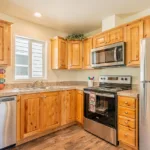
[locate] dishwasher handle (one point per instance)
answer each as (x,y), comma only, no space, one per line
(6,99)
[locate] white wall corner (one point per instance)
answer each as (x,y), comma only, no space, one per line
(111,22)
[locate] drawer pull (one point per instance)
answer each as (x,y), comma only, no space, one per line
(126,112)
(126,122)
(126,102)
(125,134)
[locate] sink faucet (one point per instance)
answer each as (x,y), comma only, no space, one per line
(34,83)
(37,82)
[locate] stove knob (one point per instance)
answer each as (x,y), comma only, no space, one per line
(126,79)
(122,78)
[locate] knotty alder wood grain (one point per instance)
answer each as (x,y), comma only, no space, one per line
(68,105)
(75,51)
(5,44)
(128,122)
(134,33)
(59,53)
(50,111)
(72,138)
(87,47)
(79,106)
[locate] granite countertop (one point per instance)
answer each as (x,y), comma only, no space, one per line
(129,93)
(17,91)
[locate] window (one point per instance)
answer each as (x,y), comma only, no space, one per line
(29,58)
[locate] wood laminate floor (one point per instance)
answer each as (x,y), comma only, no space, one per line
(72,138)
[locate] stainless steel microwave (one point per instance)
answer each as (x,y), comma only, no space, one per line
(108,56)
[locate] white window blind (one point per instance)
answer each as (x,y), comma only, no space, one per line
(29,58)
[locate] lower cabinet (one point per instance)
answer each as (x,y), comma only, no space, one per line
(128,122)
(30,115)
(50,111)
(68,105)
(79,106)
(43,112)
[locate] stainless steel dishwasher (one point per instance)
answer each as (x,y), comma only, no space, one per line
(7,121)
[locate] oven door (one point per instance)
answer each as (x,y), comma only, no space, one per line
(103,110)
(108,55)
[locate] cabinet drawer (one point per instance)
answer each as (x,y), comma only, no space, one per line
(126,102)
(127,112)
(128,122)
(127,135)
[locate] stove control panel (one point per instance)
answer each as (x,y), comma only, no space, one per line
(116,79)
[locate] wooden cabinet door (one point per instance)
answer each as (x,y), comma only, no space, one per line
(62,54)
(115,35)
(100,40)
(67,106)
(147,27)
(134,33)
(74,54)
(30,115)
(4,43)
(79,106)
(87,44)
(50,111)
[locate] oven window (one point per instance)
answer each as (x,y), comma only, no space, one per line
(104,111)
(98,57)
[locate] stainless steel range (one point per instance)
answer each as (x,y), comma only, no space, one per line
(100,106)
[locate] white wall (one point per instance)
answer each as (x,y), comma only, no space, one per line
(38,32)
(134,72)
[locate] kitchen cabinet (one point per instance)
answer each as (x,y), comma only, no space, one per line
(30,115)
(109,37)
(133,35)
(128,122)
(5,39)
(68,106)
(87,46)
(50,110)
(100,40)
(79,106)
(147,27)
(75,52)
(59,53)
(115,35)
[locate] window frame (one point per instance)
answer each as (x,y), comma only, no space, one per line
(44,58)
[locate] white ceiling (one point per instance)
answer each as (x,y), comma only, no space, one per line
(72,16)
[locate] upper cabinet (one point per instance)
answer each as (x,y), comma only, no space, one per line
(147,27)
(108,37)
(59,53)
(87,46)
(5,39)
(133,35)
(100,40)
(75,54)
(115,35)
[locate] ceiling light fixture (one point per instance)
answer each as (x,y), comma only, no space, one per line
(37,14)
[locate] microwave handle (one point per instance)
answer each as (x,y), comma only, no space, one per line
(115,54)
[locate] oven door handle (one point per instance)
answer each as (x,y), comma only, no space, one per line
(115,54)
(101,94)
(105,95)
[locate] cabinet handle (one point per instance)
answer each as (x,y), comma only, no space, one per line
(43,97)
(125,134)
(126,122)
(126,112)
(126,102)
